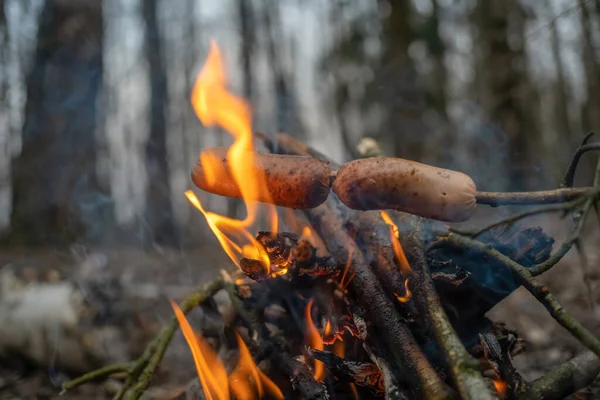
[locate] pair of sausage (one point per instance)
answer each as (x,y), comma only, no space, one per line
(377,183)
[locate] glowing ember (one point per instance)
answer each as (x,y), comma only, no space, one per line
(500,386)
(216,106)
(405,268)
(314,340)
(247,381)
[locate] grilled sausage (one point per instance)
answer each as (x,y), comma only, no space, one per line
(393,183)
(292,181)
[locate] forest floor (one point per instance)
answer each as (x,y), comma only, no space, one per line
(171,274)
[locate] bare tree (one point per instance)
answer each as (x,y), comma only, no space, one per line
(159,211)
(55,196)
(504,81)
(561,114)
(248,36)
(437,49)
(404,99)
(591,116)
(5,153)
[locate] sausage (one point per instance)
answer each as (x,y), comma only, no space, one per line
(393,183)
(292,181)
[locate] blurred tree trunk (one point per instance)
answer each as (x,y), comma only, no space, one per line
(561,108)
(247,34)
(397,76)
(5,126)
(437,49)
(591,115)
(159,210)
(287,118)
(504,82)
(55,194)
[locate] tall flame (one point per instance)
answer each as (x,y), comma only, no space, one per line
(216,106)
(314,340)
(242,386)
(405,268)
(247,381)
(211,370)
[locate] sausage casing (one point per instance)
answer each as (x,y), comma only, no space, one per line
(291,181)
(381,183)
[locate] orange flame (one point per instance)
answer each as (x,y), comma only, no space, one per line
(407,294)
(314,340)
(398,251)
(211,370)
(216,106)
(247,381)
(338,348)
(354,391)
(405,268)
(500,386)
(327,330)
(240,382)
(343,282)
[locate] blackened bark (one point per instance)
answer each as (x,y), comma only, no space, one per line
(55,195)
(159,211)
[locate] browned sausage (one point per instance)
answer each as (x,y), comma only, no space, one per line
(292,181)
(393,183)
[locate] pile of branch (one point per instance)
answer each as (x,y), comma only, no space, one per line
(397,324)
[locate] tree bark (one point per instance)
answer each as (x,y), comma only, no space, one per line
(55,195)
(159,210)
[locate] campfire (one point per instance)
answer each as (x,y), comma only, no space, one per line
(349,285)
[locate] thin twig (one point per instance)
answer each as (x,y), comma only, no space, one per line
(495,199)
(583,148)
(537,289)
(90,376)
(579,219)
(564,207)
